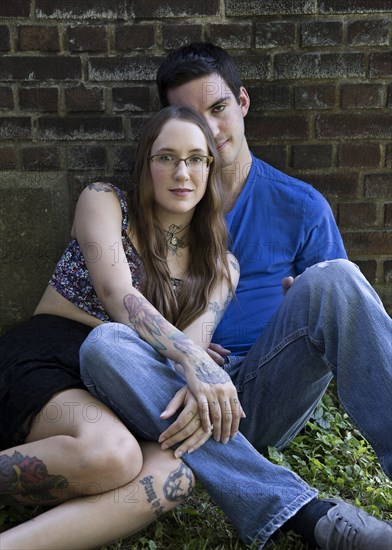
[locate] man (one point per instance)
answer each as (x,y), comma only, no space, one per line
(284,351)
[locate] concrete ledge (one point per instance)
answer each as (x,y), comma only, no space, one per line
(34,229)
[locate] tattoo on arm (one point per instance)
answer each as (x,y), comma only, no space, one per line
(152,327)
(145,321)
(100,187)
(219,311)
(178,484)
(25,477)
(234,264)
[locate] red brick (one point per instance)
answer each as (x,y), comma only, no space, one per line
(388,156)
(122,68)
(380,64)
(267,127)
(40,68)
(272,154)
(80,98)
(135,98)
(14,8)
(6,98)
(134,37)
(15,128)
(368,33)
(368,269)
(372,125)
(174,36)
(4,38)
(321,33)
(388,271)
(388,214)
(378,186)
(40,158)
(317,96)
(86,158)
(312,156)
(274,34)
(365,243)
(268,7)
(87,38)
(253,66)
(363,155)
(362,96)
(7,158)
(123,158)
(354,6)
(357,215)
(38,37)
(87,9)
(269,97)
(72,128)
(147,9)
(335,185)
(319,65)
(230,35)
(38,99)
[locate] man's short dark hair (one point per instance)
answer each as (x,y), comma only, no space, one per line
(195,61)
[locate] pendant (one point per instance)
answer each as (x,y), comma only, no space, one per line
(173,240)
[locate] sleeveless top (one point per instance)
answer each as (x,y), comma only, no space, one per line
(71,278)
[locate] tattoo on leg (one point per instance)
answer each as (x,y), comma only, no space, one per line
(152,496)
(25,476)
(179,484)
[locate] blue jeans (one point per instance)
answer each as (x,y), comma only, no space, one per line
(331,322)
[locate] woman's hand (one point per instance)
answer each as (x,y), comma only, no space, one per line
(187,427)
(216,396)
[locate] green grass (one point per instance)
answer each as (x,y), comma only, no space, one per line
(329,454)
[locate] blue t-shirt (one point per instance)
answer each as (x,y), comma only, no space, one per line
(278,227)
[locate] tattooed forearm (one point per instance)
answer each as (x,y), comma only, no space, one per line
(145,321)
(147,483)
(26,478)
(205,372)
(178,484)
(98,186)
(154,329)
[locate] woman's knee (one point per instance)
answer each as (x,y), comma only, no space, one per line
(111,460)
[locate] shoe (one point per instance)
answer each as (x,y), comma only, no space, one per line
(346,527)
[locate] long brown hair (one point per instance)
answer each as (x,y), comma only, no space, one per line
(207,231)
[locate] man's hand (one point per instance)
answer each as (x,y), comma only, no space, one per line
(287,283)
(217,353)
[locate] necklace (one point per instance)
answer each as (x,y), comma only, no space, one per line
(173,240)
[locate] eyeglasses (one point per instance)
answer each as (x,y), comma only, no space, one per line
(169,162)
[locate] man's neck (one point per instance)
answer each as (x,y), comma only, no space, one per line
(234,177)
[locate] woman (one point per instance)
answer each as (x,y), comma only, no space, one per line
(129,268)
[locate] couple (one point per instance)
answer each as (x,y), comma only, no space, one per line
(155,357)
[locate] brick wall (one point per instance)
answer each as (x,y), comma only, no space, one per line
(77,82)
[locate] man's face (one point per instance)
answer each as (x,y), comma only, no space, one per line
(213,99)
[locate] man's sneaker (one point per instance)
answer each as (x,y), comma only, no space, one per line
(346,527)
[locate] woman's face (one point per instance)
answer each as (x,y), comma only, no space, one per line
(178,189)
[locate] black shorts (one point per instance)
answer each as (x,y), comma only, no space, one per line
(38,359)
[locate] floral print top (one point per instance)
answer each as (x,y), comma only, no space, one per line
(71,278)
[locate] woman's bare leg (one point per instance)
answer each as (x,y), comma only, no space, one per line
(76,447)
(90,522)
